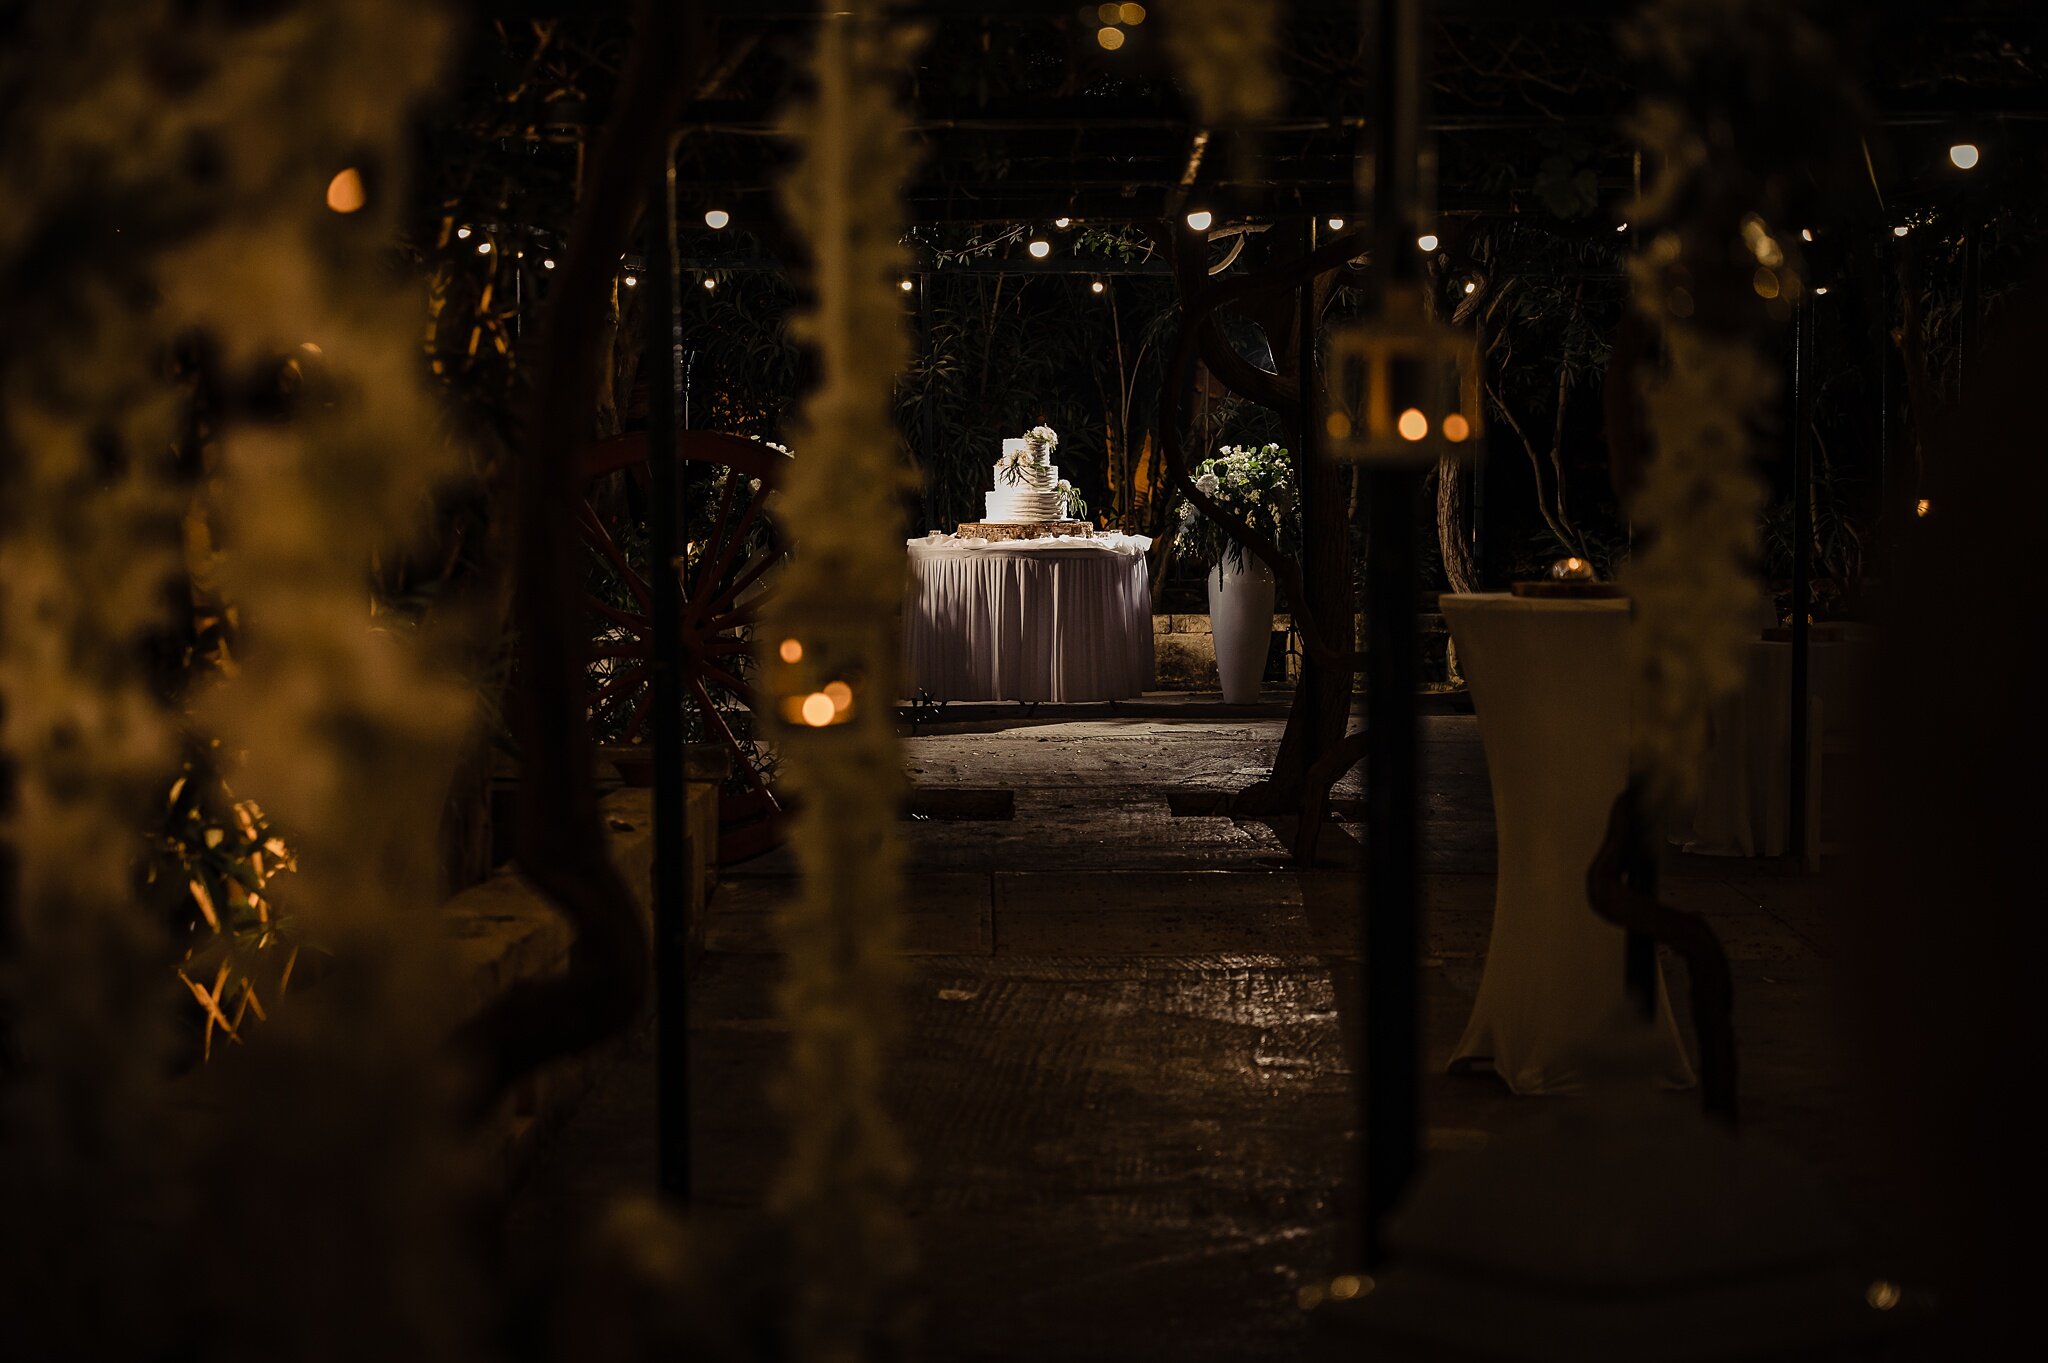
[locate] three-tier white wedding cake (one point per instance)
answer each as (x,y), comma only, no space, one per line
(1026,484)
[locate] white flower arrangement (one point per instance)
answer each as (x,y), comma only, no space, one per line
(1254,485)
(1072,508)
(1033,455)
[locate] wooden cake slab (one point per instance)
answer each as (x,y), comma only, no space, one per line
(1028,530)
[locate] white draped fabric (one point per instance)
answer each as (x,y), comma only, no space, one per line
(1550,683)
(1745,791)
(1057,619)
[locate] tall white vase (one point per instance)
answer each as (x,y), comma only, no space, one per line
(1241,620)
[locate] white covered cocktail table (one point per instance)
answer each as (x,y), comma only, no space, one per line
(1550,682)
(1065,619)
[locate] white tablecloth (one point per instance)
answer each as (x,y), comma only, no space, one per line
(1067,619)
(1744,806)
(1549,680)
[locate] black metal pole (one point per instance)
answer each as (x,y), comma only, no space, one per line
(1390,1092)
(671,849)
(1802,554)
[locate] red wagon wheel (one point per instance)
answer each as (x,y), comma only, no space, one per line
(730,559)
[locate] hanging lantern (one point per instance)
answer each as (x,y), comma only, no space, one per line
(1403,387)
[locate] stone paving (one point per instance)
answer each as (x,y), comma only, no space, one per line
(1125,1075)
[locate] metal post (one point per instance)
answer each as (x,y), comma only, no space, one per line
(1391,1090)
(1802,552)
(671,848)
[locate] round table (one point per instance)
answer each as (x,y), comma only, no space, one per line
(1056,619)
(1550,684)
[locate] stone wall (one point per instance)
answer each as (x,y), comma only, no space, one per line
(1184,650)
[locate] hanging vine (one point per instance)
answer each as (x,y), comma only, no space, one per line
(832,637)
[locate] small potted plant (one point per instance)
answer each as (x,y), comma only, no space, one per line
(1256,486)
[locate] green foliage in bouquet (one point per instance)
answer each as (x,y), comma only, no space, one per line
(1254,485)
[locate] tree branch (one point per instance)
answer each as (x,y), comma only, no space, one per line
(563,849)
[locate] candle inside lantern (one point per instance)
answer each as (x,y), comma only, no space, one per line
(1573,569)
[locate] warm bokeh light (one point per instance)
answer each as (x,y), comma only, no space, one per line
(1338,425)
(462,234)
(1923,507)
(1456,428)
(710,284)
(1110,13)
(345,191)
(1882,1296)
(717,218)
(1963,156)
(1200,219)
(1336,224)
(547,264)
(1110,38)
(632,282)
(1806,234)
(1412,425)
(790,650)
(1063,223)
(1471,286)
(1040,248)
(1427,241)
(818,710)
(483,248)
(1096,287)
(906,284)
(1821,292)
(1622,228)
(841,696)
(1131,14)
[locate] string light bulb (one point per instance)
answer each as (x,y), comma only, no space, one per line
(907,284)
(1901,230)
(1412,425)
(548,263)
(632,282)
(716,219)
(462,234)
(483,248)
(1964,156)
(1336,224)
(1806,234)
(1063,223)
(1095,286)
(1040,248)
(345,191)
(1427,241)
(1622,228)
(710,284)
(1820,291)
(1199,220)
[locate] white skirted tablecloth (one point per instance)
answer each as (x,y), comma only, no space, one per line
(1057,619)
(1744,806)
(1550,682)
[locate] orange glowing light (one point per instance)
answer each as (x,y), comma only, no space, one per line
(841,696)
(345,191)
(1456,428)
(1110,38)
(1412,425)
(818,710)
(1923,507)
(791,650)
